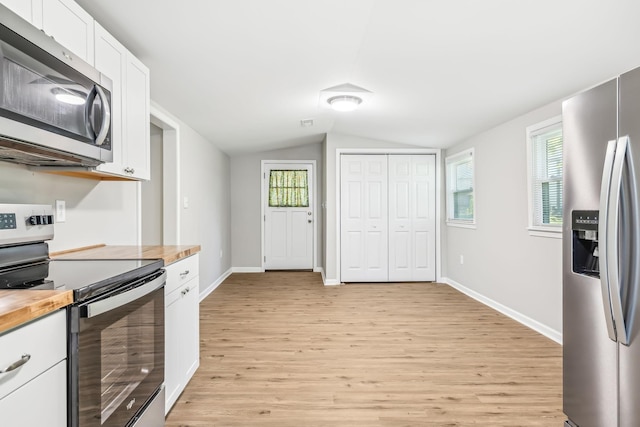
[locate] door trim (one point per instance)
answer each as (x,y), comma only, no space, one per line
(435,151)
(314,203)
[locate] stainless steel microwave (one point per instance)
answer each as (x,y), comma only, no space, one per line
(55,109)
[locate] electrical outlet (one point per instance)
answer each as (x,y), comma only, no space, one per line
(461,259)
(61,211)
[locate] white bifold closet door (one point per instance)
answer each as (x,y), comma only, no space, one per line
(412,222)
(364,225)
(387,217)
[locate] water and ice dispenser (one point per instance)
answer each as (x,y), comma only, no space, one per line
(584,227)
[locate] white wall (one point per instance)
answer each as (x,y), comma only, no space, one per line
(204,181)
(332,143)
(246,184)
(97,211)
(502,262)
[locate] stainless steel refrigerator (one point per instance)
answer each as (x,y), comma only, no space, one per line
(601,255)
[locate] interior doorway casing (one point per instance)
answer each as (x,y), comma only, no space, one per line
(170,176)
(264,166)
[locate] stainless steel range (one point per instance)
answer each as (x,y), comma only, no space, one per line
(116,323)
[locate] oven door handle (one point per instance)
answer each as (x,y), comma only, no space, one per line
(111,303)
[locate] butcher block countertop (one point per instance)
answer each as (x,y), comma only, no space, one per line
(20,306)
(169,254)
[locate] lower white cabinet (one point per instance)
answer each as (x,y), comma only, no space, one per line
(34,390)
(182,327)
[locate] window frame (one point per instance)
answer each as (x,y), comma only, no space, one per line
(450,162)
(539,230)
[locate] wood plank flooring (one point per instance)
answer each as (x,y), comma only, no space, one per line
(280,349)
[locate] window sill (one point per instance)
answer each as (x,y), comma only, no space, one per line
(553,233)
(470,225)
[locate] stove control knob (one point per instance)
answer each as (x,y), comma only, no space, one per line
(40,220)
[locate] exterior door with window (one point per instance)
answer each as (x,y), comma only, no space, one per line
(289,216)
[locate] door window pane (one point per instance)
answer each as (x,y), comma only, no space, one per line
(288,189)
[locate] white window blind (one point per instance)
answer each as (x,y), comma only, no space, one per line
(460,188)
(545,151)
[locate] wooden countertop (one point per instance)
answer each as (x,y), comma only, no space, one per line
(169,254)
(20,306)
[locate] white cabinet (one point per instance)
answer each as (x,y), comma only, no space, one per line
(129,107)
(69,25)
(29,10)
(136,153)
(182,326)
(41,379)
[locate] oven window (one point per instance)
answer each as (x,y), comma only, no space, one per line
(120,361)
(127,357)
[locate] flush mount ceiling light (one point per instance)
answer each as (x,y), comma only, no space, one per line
(344,102)
(344,97)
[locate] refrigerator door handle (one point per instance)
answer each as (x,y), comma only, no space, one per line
(603,243)
(613,236)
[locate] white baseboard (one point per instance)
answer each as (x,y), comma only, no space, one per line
(212,287)
(247,269)
(329,282)
(515,315)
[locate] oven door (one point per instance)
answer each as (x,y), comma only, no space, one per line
(117,354)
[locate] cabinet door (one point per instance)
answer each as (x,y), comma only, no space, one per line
(26,9)
(40,402)
(412,222)
(364,228)
(110,59)
(190,359)
(137,119)
(70,26)
(173,330)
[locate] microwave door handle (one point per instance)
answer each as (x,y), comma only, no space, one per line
(106,116)
(116,301)
(87,111)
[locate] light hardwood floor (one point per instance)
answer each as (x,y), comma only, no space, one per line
(280,349)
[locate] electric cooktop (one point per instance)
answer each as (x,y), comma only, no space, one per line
(86,278)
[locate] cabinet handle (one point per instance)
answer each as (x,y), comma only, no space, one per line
(15,365)
(184,273)
(185,291)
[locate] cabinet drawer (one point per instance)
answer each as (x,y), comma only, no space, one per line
(180,272)
(44,339)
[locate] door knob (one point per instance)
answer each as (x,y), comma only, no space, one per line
(309,221)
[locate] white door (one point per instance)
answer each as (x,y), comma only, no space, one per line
(363,222)
(289,216)
(412,218)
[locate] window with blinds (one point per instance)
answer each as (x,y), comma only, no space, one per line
(545,180)
(460,188)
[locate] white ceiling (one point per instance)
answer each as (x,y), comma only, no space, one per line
(243,73)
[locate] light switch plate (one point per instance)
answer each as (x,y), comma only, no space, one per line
(61,211)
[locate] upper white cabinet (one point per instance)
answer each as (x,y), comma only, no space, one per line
(69,25)
(29,10)
(111,60)
(129,107)
(136,120)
